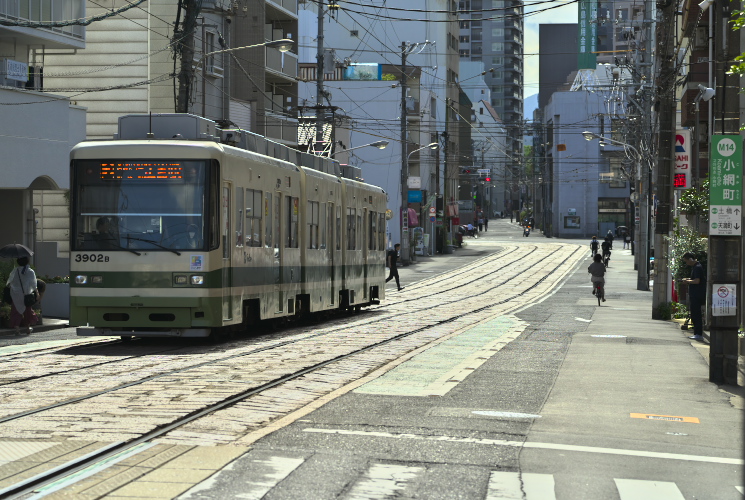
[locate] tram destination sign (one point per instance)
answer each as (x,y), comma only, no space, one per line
(725,186)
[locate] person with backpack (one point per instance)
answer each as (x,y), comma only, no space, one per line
(594,245)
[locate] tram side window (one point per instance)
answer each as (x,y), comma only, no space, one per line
(373,233)
(292,221)
(351,228)
(253,217)
(268,219)
(239,217)
(360,233)
(338,228)
(322,226)
(313,223)
(381,231)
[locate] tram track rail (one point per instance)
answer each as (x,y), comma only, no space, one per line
(176,350)
(299,337)
(34,483)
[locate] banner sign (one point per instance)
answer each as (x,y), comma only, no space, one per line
(587,11)
(363,71)
(725,186)
(682,179)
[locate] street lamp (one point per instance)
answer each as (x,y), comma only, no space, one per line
(405,199)
(282,45)
(379,145)
(642,280)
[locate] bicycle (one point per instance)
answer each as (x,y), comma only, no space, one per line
(599,290)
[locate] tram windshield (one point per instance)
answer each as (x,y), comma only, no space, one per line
(153,205)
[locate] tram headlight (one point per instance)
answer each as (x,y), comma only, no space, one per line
(197,280)
(81,280)
(180,280)
(96,280)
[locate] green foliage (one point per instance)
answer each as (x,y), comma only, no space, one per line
(680,311)
(665,310)
(695,201)
(389,77)
(684,240)
(6,266)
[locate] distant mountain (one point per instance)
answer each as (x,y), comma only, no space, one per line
(530,103)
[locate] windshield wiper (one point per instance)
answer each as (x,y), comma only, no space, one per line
(153,243)
(112,241)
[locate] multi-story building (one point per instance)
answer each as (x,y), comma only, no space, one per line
(492,31)
(432,111)
(38,128)
(129,65)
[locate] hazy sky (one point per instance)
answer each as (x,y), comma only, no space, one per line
(564,14)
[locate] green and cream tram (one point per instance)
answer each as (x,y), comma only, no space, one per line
(183,237)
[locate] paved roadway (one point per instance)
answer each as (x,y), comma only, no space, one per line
(547,396)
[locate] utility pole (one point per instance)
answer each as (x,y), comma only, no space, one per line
(320,115)
(404,164)
(445,152)
(184,38)
(666,154)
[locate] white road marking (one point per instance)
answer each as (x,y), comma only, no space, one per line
(609,336)
(268,472)
(505,414)
(544,446)
(634,489)
(740,489)
(383,481)
(520,486)
(583,320)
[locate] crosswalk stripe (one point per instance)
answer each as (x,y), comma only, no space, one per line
(635,489)
(520,486)
(268,473)
(383,481)
(741,490)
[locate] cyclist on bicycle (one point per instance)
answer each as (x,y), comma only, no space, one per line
(594,244)
(597,270)
(606,246)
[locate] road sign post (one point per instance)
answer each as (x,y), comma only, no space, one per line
(725,230)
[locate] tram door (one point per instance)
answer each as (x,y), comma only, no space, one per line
(330,249)
(276,217)
(227,282)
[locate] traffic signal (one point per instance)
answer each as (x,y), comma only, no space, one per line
(466,171)
(488,179)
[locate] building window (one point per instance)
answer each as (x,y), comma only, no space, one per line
(464,25)
(497,47)
(464,53)
(464,39)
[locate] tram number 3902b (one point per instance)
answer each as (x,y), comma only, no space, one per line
(91,258)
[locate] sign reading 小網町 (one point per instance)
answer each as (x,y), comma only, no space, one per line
(725,186)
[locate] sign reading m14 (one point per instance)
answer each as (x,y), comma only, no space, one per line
(725,186)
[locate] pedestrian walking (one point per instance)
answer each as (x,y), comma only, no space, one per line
(24,294)
(481,223)
(486,224)
(626,240)
(391,260)
(696,294)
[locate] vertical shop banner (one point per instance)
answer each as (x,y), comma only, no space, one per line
(725,186)
(587,13)
(682,178)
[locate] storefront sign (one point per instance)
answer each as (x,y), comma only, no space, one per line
(682,179)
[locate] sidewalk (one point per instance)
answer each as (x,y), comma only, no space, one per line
(48,324)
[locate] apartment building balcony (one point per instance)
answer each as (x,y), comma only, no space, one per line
(280,128)
(65,37)
(280,66)
(288,7)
